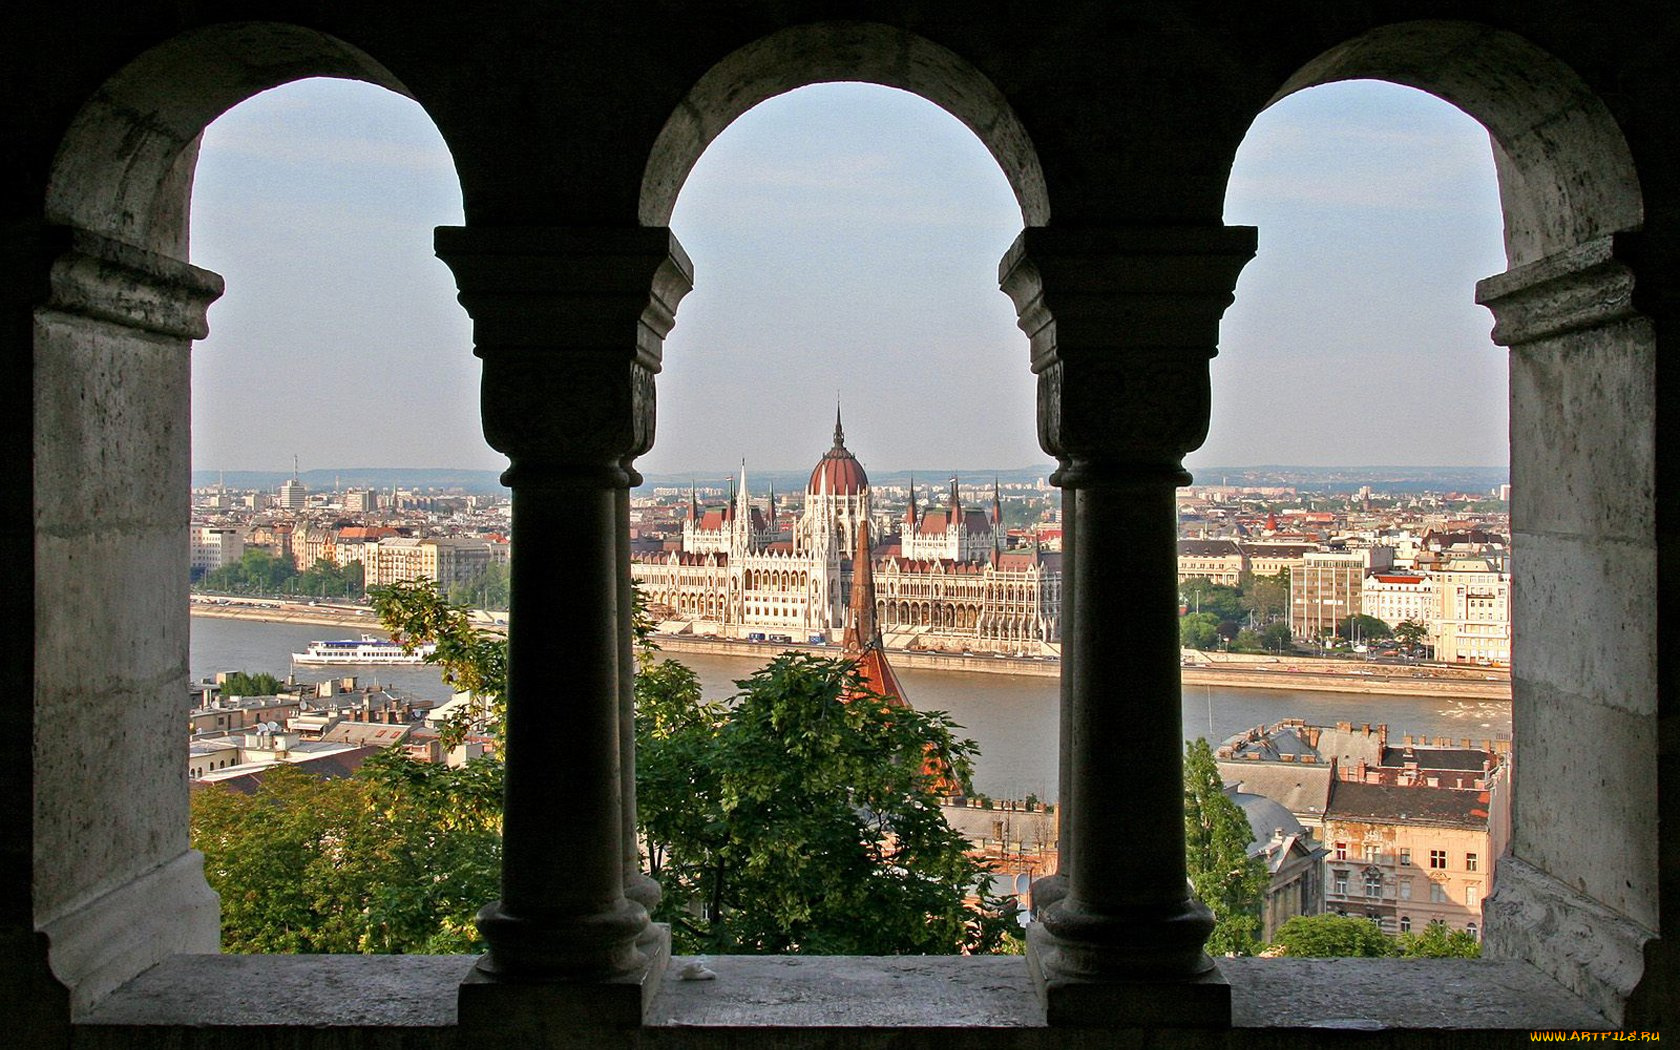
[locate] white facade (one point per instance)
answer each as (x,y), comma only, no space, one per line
(294,495)
(1393,597)
(214,546)
(1473,621)
(745,570)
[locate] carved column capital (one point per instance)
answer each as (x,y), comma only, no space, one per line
(570,324)
(1122,322)
(1587,286)
(93,276)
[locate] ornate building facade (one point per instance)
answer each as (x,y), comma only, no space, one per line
(946,583)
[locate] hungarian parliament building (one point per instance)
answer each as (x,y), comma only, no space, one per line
(944,577)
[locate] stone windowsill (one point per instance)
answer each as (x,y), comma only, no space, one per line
(417,994)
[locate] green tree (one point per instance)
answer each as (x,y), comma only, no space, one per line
(395,859)
(1205,596)
(1216,838)
(795,819)
(486,590)
(238,683)
(468,658)
(1277,638)
(256,572)
(329,580)
(1365,628)
(1198,631)
(1437,941)
(1411,632)
(1334,936)
(1248,641)
(1266,597)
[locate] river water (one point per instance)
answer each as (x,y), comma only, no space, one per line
(1013,718)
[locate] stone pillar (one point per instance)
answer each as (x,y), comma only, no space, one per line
(1584,458)
(114,887)
(1122,324)
(569,324)
(638,886)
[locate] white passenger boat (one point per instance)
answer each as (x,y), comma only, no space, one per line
(369,650)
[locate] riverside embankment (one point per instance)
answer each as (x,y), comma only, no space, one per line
(1290,675)
(1294,674)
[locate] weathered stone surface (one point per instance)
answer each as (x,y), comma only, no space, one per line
(1604,583)
(825,1001)
(1589,949)
(1581,780)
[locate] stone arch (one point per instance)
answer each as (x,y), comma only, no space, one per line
(1565,172)
(1583,434)
(829,52)
(124,168)
(112,345)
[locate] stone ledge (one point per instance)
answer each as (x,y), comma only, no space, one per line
(829,1001)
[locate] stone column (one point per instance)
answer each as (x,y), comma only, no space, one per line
(1123,322)
(1582,326)
(638,886)
(569,324)
(100,508)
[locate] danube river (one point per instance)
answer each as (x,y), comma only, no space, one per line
(1013,718)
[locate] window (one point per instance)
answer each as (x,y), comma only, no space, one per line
(1405,923)
(1340,886)
(1405,856)
(1371,852)
(1437,893)
(1373,884)
(1405,889)
(1437,858)
(1470,861)
(1341,851)
(1472,894)
(1471,929)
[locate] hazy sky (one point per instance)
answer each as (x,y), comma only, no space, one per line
(845,240)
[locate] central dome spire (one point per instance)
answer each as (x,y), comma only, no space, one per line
(838,473)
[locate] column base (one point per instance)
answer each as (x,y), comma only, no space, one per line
(498,1012)
(1072,1000)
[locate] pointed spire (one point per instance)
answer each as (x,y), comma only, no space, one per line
(910,514)
(861,629)
(839,432)
(997,520)
(693,503)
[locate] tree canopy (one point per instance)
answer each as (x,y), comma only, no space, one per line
(239,683)
(1338,936)
(1334,936)
(1365,628)
(1216,837)
(395,859)
(1204,596)
(1198,631)
(1437,941)
(804,816)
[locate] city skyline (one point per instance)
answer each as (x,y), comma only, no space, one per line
(845,241)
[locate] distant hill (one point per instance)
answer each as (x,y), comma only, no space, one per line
(1316,479)
(1350,479)
(477,482)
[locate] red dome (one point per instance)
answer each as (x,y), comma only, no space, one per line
(838,473)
